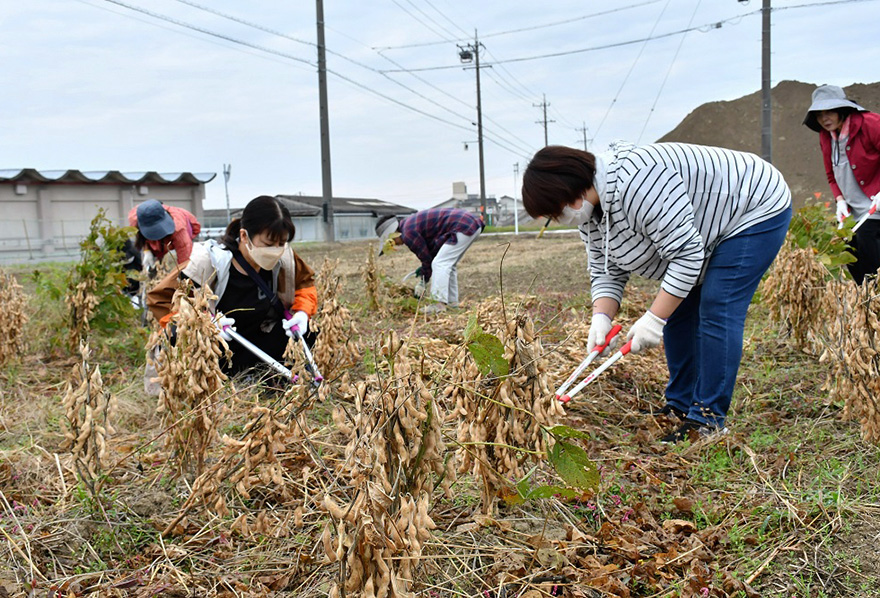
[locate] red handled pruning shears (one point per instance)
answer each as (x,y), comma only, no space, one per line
(865,217)
(583,365)
(608,363)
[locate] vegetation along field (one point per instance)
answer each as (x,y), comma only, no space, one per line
(434,460)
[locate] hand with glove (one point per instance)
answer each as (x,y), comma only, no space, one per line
(646,333)
(420,288)
(843,210)
(296,325)
(600,326)
(222,323)
(149,263)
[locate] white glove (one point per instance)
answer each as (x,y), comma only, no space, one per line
(148,260)
(421,287)
(875,201)
(646,333)
(297,324)
(222,322)
(600,326)
(843,210)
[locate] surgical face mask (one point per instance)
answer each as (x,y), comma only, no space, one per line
(577,216)
(265,257)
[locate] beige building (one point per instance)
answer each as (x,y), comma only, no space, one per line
(45,214)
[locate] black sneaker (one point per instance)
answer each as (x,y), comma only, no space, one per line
(667,410)
(693,430)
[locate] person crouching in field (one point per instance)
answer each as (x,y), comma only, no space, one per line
(705,221)
(439,237)
(161,229)
(256,277)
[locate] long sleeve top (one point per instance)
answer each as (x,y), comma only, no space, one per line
(862,151)
(186,228)
(666,206)
(425,232)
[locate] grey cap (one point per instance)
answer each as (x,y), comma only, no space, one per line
(154,221)
(385,228)
(827,97)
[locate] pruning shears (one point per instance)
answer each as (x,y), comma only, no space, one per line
(259,353)
(864,218)
(312,367)
(589,359)
(595,374)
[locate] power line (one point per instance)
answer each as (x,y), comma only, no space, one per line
(423,24)
(533,27)
(274,52)
(666,77)
(631,68)
(711,26)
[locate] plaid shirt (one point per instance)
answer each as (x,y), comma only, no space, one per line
(427,231)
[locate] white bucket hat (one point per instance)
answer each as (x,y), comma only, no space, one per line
(827,97)
(384,229)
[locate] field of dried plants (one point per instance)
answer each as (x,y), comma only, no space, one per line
(433,460)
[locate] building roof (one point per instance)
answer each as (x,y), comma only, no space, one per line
(309,205)
(103,177)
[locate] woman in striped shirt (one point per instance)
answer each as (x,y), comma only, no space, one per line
(705,221)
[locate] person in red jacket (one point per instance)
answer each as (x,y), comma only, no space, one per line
(849,137)
(163,228)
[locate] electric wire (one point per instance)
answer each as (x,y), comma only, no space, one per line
(425,25)
(666,77)
(713,25)
(531,28)
(631,68)
(271,51)
(259,27)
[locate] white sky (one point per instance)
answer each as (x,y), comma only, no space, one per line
(93,85)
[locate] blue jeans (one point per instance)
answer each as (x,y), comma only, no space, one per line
(704,336)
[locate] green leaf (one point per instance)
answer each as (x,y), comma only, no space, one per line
(472,329)
(572,464)
(488,352)
(566,432)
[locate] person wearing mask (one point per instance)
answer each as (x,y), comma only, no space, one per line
(439,237)
(162,228)
(706,222)
(849,138)
(256,277)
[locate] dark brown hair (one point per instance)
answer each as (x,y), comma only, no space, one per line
(556,177)
(263,214)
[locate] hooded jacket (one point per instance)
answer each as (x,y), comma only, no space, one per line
(666,206)
(862,151)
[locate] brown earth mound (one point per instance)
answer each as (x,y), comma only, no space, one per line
(736,124)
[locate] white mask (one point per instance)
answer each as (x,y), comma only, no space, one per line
(265,257)
(577,216)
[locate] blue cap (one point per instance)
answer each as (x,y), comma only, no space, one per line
(154,221)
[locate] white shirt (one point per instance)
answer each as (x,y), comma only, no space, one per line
(666,206)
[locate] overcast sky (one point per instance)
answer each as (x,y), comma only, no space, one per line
(97,85)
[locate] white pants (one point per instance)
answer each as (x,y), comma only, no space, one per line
(444,269)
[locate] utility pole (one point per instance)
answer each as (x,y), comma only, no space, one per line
(544,105)
(584,130)
(767,110)
(227,172)
(515,207)
(326,182)
(766,101)
(466,54)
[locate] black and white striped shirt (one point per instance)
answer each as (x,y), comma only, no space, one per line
(666,206)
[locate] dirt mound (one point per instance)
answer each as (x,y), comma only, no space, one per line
(736,124)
